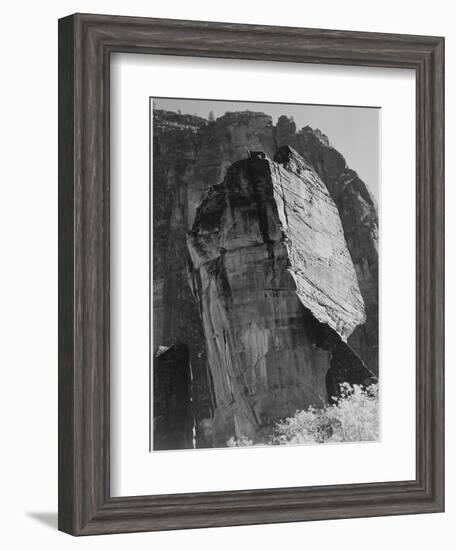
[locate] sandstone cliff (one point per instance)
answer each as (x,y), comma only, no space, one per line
(358,214)
(192,154)
(278,293)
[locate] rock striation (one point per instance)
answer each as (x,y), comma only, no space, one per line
(191,154)
(278,293)
(358,213)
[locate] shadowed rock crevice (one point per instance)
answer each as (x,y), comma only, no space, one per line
(173,412)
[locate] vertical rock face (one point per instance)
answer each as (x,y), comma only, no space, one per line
(277,291)
(190,155)
(173,415)
(176,318)
(358,214)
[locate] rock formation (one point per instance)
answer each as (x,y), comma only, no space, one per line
(173,416)
(358,214)
(277,290)
(190,155)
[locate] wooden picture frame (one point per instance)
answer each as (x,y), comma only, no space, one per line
(85,45)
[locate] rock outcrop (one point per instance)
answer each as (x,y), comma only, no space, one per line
(358,214)
(173,415)
(278,293)
(190,155)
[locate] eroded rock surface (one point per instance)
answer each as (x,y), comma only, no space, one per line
(176,318)
(190,155)
(358,213)
(277,291)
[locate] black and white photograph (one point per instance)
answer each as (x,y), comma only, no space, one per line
(264,274)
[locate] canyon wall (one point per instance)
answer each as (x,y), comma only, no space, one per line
(358,213)
(176,319)
(190,155)
(278,293)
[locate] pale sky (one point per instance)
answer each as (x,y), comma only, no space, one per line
(353,131)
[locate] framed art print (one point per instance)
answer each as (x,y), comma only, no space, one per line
(257,304)
(250,274)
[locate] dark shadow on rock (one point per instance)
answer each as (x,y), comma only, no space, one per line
(49,519)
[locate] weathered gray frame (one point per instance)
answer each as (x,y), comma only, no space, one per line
(85,45)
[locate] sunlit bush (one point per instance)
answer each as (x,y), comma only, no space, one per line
(353,417)
(239,442)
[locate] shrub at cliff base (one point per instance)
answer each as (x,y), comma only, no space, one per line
(352,417)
